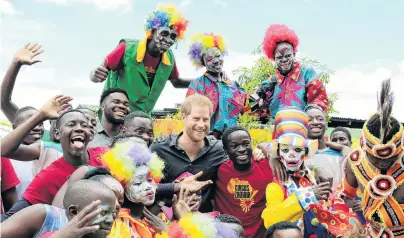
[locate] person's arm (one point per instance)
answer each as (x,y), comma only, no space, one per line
(180,82)
(11,144)
(9,181)
(113,61)
(176,80)
(25,223)
(21,204)
(9,198)
(23,57)
(280,209)
(316,93)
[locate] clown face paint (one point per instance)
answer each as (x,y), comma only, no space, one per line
(213,60)
(284,57)
(291,157)
(164,37)
(142,188)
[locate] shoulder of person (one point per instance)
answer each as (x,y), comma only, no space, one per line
(163,143)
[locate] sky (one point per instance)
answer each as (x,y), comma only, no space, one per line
(360,41)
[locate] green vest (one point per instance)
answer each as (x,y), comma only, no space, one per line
(132,78)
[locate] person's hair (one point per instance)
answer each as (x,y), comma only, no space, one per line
(20,111)
(344,130)
(313,106)
(229,219)
(357,231)
(136,114)
(109,91)
(97,174)
(124,137)
(57,123)
(195,100)
(382,125)
(79,107)
(284,225)
(228,131)
(81,190)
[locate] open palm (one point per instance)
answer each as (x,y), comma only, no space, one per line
(55,106)
(26,55)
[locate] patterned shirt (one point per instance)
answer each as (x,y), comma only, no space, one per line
(299,88)
(227,97)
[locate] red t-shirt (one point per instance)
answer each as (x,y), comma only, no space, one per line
(8,178)
(242,194)
(47,183)
(115,61)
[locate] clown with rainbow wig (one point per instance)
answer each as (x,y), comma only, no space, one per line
(142,67)
(301,198)
(139,171)
(293,84)
(376,171)
(228,98)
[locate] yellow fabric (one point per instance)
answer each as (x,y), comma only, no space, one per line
(279,209)
(141,51)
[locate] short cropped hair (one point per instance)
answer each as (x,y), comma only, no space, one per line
(196,100)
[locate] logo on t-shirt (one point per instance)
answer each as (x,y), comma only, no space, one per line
(243,192)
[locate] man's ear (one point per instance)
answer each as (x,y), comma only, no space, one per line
(123,129)
(56,134)
(183,116)
(72,211)
(103,106)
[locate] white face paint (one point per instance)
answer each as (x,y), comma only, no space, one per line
(164,37)
(291,156)
(142,188)
(213,60)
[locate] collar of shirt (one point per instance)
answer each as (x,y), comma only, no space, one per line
(293,74)
(174,141)
(100,129)
(215,79)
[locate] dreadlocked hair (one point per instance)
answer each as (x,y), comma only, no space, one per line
(382,125)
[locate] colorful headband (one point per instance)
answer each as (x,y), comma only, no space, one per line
(201,42)
(377,148)
(166,16)
(124,157)
(290,128)
(275,34)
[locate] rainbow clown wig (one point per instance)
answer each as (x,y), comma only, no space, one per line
(166,16)
(277,34)
(200,43)
(197,225)
(124,157)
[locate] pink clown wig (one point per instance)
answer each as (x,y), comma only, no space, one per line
(276,34)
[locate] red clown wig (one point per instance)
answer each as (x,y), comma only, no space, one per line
(276,34)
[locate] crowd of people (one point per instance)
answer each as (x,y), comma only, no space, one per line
(105,174)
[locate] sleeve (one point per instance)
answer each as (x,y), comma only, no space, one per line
(194,87)
(114,60)
(316,94)
(9,178)
(290,209)
(174,73)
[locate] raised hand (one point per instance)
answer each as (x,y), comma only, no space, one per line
(55,106)
(181,204)
(100,74)
(80,224)
(322,191)
(192,185)
(154,221)
(26,55)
